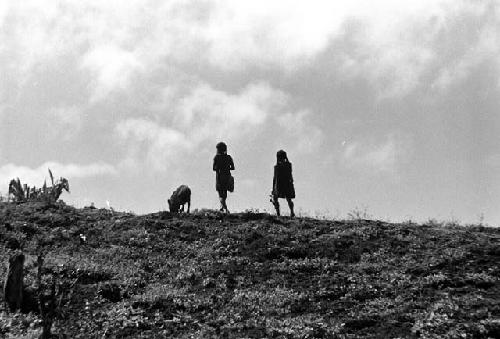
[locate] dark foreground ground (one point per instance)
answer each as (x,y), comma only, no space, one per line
(253,276)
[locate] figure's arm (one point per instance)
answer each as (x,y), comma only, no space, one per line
(291,176)
(274,181)
(215,165)
(231,163)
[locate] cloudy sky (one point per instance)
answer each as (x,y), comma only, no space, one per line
(390,106)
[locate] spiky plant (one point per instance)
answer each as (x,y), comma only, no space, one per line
(58,188)
(52,194)
(33,193)
(17,191)
(51,177)
(23,193)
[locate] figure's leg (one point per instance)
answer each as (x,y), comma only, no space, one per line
(189,205)
(290,205)
(222,199)
(224,205)
(276,205)
(182,208)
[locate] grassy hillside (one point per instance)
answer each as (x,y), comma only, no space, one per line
(253,275)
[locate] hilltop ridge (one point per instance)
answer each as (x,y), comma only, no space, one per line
(254,275)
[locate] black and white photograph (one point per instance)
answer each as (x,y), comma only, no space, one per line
(250,169)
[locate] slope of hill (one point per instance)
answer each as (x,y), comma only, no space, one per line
(252,275)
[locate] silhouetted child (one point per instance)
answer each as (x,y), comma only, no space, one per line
(283,182)
(223,165)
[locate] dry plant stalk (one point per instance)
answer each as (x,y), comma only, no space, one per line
(47,310)
(13,288)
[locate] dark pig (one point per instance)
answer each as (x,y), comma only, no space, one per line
(180,196)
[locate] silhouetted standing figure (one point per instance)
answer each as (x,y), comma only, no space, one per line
(283,182)
(223,165)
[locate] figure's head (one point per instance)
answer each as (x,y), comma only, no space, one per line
(221,148)
(281,156)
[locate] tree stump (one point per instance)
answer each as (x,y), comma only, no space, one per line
(13,287)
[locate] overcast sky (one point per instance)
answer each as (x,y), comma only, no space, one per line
(387,105)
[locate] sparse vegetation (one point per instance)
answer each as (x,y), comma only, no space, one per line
(359,214)
(251,275)
(20,193)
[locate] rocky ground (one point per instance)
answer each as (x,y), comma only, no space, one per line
(251,275)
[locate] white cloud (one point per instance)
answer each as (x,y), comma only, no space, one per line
(32,33)
(112,67)
(148,140)
(36,176)
(394,42)
(203,114)
(485,47)
(114,40)
(65,121)
(383,157)
(209,113)
(282,33)
(4,7)
(307,137)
